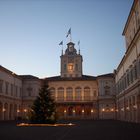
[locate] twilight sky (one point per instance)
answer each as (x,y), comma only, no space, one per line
(30,31)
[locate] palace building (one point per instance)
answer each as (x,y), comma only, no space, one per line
(128,72)
(78,96)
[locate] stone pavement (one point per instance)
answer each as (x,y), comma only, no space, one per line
(83,130)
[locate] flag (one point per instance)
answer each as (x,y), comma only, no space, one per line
(69,32)
(61,43)
(79,42)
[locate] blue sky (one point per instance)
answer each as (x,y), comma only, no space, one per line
(30,31)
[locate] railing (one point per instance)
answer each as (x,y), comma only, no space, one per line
(73,100)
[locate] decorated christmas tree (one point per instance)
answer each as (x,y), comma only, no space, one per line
(44,108)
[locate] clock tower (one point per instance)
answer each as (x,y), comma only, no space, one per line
(71,62)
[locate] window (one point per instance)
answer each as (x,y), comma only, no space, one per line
(12,88)
(60,94)
(20,92)
(29,91)
(69,94)
(70,67)
(131,76)
(135,72)
(65,66)
(1,86)
(86,93)
(7,86)
(52,91)
(107,90)
(78,94)
(16,91)
(94,94)
(76,66)
(127,78)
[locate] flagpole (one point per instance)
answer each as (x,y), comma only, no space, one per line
(61,43)
(70,37)
(62,49)
(79,46)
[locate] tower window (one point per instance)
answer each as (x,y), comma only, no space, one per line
(70,67)
(64,66)
(76,66)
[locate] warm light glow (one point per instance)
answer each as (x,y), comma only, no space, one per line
(83,111)
(70,67)
(122,109)
(91,110)
(18,110)
(25,110)
(65,111)
(127,108)
(103,109)
(70,124)
(3,109)
(112,109)
(73,111)
(135,106)
(54,125)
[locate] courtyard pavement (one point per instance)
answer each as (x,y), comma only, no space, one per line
(82,130)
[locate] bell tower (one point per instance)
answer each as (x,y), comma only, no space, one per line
(71,62)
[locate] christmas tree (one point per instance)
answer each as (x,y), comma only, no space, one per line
(44,108)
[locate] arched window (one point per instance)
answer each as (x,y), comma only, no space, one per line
(60,94)
(52,91)
(86,93)
(69,92)
(78,94)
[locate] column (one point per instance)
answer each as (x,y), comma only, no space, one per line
(64,94)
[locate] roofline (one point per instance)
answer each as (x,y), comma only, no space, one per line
(91,78)
(9,72)
(108,75)
(29,77)
(70,43)
(129,16)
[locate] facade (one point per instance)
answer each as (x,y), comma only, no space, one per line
(10,98)
(106,97)
(76,95)
(128,72)
(17,94)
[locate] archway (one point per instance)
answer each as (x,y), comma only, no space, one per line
(5,110)
(138,108)
(15,111)
(10,112)
(1,111)
(70,111)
